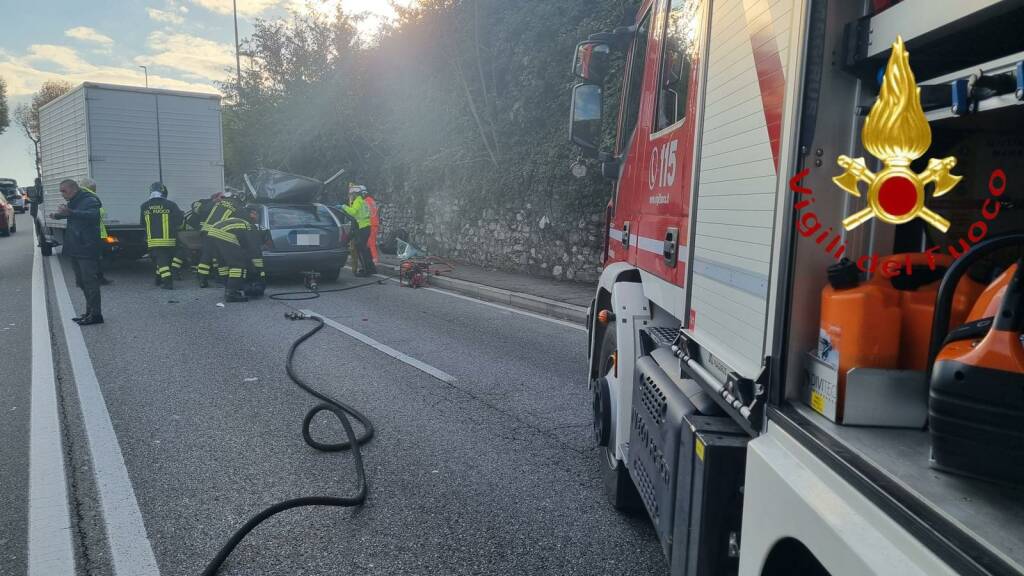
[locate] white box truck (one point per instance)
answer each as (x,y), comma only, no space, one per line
(125,138)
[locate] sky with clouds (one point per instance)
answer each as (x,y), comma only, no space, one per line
(185,44)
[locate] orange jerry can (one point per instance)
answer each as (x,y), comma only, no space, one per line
(918,292)
(860,325)
(886,322)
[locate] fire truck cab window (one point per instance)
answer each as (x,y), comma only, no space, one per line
(676,61)
(636,80)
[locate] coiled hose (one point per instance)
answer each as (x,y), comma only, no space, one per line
(342,412)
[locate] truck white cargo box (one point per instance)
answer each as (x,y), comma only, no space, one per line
(125,138)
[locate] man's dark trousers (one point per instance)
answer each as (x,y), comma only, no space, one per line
(87,276)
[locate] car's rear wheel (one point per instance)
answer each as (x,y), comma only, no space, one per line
(330,274)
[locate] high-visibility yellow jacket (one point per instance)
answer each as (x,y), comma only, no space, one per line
(360,211)
(103,216)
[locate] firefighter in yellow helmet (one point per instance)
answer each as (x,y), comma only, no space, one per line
(162,219)
(359,210)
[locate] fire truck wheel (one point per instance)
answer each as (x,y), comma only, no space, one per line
(619,486)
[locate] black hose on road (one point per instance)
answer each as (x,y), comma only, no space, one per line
(314,294)
(342,412)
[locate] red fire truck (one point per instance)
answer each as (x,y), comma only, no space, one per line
(718,403)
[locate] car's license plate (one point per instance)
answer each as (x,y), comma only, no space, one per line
(307,239)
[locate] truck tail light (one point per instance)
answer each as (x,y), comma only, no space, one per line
(111,239)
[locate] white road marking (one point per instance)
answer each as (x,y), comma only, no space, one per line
(130,548)
(439,374)
(565,323)
(50,549)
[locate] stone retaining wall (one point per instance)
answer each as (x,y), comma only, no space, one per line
(564,244)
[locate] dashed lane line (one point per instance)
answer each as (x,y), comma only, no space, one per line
(419,365)
(130,548)
(50,548)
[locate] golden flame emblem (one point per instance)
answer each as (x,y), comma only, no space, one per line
(896,132)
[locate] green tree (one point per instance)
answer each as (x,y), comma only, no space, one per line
(27,115)
(5,118)
(465,100)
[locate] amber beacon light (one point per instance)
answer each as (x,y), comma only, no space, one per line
(896,132)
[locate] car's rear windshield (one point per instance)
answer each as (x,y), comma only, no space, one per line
(294,216)
(9,190)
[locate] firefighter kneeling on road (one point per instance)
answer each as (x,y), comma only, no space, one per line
(240,254)
(225,206)
(162,219)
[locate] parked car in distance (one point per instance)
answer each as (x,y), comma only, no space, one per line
(7,224)
(9,189)
(303,238)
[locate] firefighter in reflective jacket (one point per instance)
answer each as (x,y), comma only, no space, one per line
(240,255)
(192,222)
(374,224)
(224,208)
(360,212)
(162,219)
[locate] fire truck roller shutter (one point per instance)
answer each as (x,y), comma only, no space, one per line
(738,178)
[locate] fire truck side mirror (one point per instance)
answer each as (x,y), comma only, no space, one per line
(585,126)
(591,61)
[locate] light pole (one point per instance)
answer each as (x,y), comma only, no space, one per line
(146,72)
(238,58)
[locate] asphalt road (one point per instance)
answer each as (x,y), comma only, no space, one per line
(15,376)
(486,470)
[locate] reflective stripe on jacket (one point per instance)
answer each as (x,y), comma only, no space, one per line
(221,211)
(231,230)
(103,216)
(359,210)
(198,212)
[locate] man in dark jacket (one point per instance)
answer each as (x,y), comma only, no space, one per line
(82,245)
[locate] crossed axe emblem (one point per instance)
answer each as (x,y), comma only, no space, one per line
(896,131)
